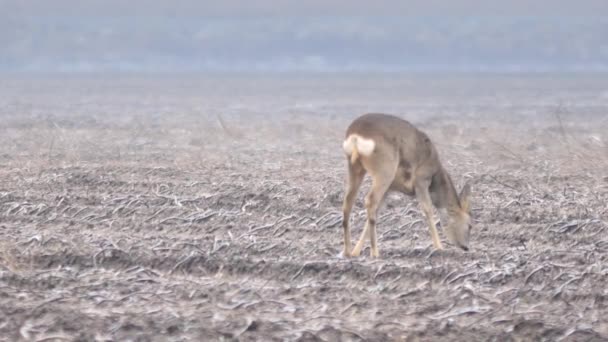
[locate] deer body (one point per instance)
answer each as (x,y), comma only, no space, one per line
(399,157)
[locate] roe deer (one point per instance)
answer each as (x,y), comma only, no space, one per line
(399,157)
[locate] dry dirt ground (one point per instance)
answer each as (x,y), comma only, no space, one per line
(174,208)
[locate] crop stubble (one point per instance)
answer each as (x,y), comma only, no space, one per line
(167,209)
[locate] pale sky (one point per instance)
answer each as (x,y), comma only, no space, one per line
(310,7)
(314,35)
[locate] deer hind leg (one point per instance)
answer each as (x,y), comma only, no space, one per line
(424,198)
(356,173)
(381,181)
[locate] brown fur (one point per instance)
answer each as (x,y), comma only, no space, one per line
(354,157)
(404,160)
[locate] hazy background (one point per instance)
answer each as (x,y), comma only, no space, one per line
(170,36)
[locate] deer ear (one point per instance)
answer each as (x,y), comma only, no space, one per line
(465,195)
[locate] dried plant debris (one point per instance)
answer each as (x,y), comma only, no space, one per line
(114,230)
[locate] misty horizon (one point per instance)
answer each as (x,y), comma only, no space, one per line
(78,37)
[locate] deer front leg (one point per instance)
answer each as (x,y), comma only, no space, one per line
(424,198)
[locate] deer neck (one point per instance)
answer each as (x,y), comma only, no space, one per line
(447,195)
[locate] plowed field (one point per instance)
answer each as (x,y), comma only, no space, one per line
(209,208)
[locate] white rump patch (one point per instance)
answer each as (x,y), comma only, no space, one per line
(349,144)
(364,146)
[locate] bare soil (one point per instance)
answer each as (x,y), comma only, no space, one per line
(209,208)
